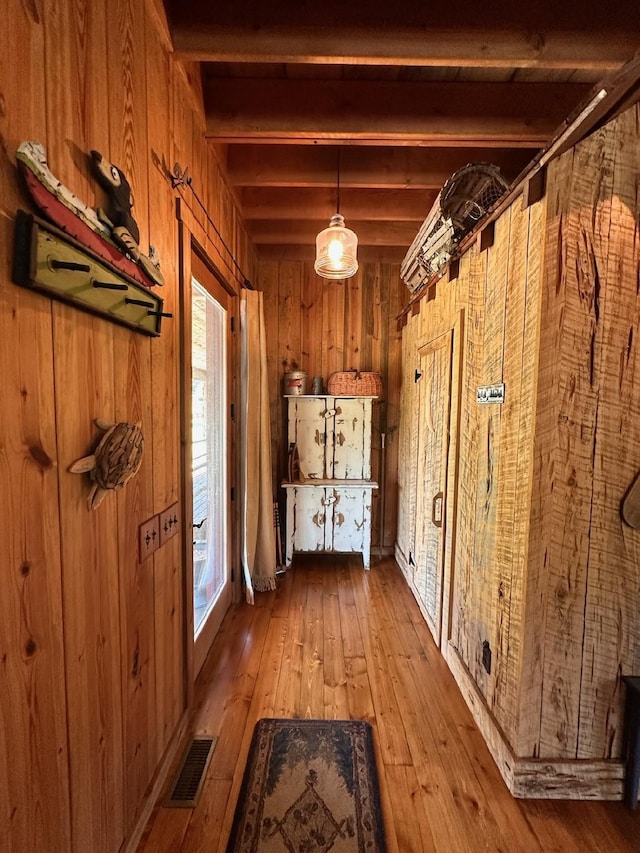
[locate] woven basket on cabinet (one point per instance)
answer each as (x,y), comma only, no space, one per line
(355,383)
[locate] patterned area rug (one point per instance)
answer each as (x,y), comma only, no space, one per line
(309,786)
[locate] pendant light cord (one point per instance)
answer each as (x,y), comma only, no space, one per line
(338,184)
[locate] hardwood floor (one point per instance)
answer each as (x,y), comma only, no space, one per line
(335,641)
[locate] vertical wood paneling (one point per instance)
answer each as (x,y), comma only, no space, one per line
(404,438)
(181,128)
(34,794)
(322,326)
(466,596)
(545,426)
(94,706)
(574,412)
(611,610)
(520,636)
(269,285)
(312,346)
(333,300)
(169,625)
(34,787)
(132,369)
(504,693)
(353,331)
(290,318)
(544,566)
(489,452)
(83,359)
(369,276)
(392,379)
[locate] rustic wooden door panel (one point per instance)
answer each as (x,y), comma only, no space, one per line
(434,407)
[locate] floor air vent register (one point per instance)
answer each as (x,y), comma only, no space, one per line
(191,774)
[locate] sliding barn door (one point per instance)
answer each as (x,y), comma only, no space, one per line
(433,445)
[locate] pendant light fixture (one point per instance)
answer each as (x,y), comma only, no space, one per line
(337,245)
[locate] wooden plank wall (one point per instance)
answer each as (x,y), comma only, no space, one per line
(588,448)
(544,568)
(321,326)
(499,290)
(92,642)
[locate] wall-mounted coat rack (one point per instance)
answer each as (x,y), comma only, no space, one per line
(48,260)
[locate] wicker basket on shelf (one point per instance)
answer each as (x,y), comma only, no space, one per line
(355,383)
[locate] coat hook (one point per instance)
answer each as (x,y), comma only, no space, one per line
(70,265)
(142,302)
(110,285)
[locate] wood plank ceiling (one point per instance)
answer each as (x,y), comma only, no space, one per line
(397,95)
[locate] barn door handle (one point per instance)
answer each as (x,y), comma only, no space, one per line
(436,509)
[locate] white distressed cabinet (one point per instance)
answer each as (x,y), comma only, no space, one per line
(329,508)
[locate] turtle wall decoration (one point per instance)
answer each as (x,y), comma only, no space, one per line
(116,459)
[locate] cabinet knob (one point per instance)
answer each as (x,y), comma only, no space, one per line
(330,500)
(329,413)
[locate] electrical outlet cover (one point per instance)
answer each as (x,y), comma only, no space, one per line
(169,523)
(149,537)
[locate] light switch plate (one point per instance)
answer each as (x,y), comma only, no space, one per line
(169,523)
(149,537)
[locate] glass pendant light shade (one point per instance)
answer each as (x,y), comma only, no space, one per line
(336,250)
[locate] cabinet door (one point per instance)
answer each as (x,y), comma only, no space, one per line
(433,435)
(349,448)
(350,520)
(307,429)
(307,518)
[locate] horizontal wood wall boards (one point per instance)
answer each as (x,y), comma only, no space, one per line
(322,326)
(546,575)
(93,688)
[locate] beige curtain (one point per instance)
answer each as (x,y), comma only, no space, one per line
(259,544)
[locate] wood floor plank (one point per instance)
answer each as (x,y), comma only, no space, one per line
(168,830)
(205,827)
(288,687)
(336,641)
(336,694)
(310,702)
(236,671)
(359,697)
(352,641)
(412,831)
(476,786)
(262,705)
(229,722)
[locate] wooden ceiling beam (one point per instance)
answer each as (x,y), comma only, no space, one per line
(370,233)
(360,167)
(490,47)
(451,114)
(320,203)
